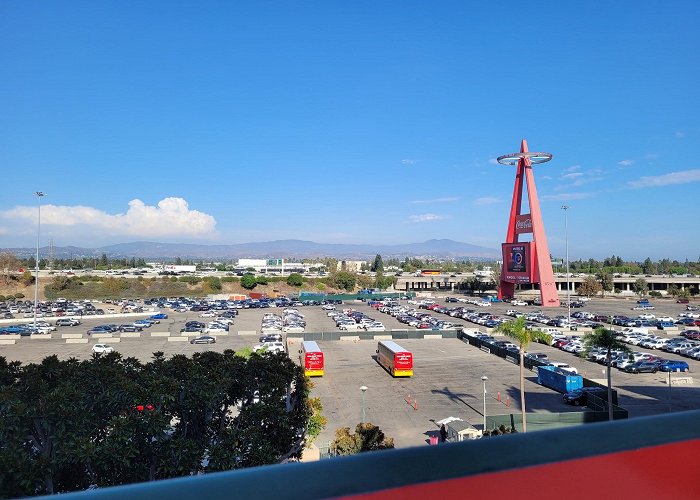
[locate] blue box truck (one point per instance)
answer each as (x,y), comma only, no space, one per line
(552,377)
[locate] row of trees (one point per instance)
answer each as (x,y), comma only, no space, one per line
(109,420)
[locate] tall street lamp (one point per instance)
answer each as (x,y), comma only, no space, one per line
(39,195)
(484,379)
(566,208)
(364,390)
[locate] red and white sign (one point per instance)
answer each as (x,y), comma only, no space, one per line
(523,224)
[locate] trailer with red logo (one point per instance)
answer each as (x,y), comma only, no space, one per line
(395,359)
(311,358)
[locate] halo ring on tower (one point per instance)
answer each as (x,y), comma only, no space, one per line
(514,158)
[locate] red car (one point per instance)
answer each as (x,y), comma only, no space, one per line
(560,343)
(682,301)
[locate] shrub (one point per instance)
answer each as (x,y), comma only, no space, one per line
(295,279)
(19,295)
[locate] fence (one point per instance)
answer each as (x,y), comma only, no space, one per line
(362,335)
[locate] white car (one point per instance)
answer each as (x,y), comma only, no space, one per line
(215,329)
(208,314)
(564,367)
(518,303)
(293,329)
(102,348)
(270,347)
(647,316)
(666,318)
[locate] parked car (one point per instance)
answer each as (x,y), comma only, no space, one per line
(579,397)
(270,347)
(203,339)
(159,316)
(643,367)
(671,365)
(102,348)
(67,322)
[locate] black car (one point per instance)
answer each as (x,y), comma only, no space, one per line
(579,397)
(203,339)
(643,367)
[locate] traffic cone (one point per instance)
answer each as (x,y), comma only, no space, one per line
(499,396)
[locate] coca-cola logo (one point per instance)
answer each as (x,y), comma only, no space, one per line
(524,224)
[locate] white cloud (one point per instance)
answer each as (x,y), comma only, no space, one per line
(546,177)
(680,134)
(567,196)
(170,218)
(572,168)
(572,175)
(425,218)
(486,200)
(625,163)
(682,177)
(448,199)
(408,161)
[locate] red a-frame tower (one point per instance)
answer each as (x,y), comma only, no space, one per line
(526,262)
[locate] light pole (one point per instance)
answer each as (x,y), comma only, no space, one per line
(566,208)
(484,378)
(364,390)
(39,195)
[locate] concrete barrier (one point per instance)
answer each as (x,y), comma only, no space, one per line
(248,332)
(178,339)
(681,381)
(40,337)
(432,336)
(130,335)
(76,341)
(7,341)
(190,334)
(102,335)
(113,340)
(71,335)
(350,338)
(13,336)
(383,337)
(160,334)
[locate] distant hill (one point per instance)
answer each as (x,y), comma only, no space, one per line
(443,248)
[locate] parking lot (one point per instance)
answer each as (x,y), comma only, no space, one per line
(447,379)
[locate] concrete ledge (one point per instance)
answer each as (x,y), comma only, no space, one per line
(130,335)
(76,341)
(350,338)
(101,335)
(113,340)
(41,337)
(681,381)
(7,341)
(13,336)
(248,332)
(432,336)
(71,335)
(178,339)
(190,334)
(160,334)
(383,337)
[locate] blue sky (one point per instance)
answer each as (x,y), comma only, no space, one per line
(349,122)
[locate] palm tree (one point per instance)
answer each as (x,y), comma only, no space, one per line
(602,338)
(515,329)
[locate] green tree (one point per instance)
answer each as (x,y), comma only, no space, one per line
(589,286)
(344,280)
(295,279)
(515,329)
(640,287)
(606,281)
(367,437)
(27,278)
(377,264)
(248,281)
(602,338)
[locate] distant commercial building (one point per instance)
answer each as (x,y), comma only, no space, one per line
(274,266)
(353,266)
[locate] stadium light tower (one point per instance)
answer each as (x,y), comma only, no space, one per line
(39,195)
(566,208)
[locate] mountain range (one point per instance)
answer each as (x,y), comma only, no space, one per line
(288,249)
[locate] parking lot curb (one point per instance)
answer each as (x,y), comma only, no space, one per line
(41,337)
(432,336)
(350,338)
(76,341)
(160,334)
(383,337)
(130,335)
(71,335)
(247,332)
(7,341)
(178,339)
